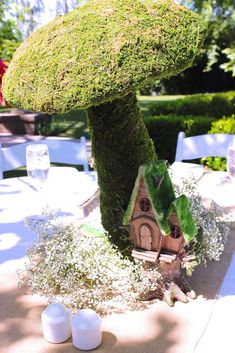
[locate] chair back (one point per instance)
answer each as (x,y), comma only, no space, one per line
(71,152)
(209,145)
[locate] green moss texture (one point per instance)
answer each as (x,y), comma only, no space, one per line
(120,144)
(101,51)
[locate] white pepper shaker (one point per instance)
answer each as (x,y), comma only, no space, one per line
(86,329)
(56,323)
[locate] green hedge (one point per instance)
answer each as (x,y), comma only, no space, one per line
(217,105)
(164,131)
(227,126)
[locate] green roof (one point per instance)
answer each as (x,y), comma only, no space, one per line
(162,197)
(182,209)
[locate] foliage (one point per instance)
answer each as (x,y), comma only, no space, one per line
(207,73)
(10,34)
(76,65)
(43,124)
(18,19)
(164,129)
(230,65)
(225,125)
(195,115)
(221,32)
(213,225)
(26,14)
(215,105)
(73,124)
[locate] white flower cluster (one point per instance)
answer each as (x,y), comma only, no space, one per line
(78,269)
(213,224)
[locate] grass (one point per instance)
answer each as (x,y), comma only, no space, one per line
(5,110)
(74,124)
(15,173)
(146,102)
(159,98)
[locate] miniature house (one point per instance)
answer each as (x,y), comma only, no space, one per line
(159,222)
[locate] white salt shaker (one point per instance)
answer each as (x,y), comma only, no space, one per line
(86,329)
(56,323)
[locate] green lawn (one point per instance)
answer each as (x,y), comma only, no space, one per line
(74,124)
(159,98)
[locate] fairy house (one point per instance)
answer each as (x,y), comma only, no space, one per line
(160,224)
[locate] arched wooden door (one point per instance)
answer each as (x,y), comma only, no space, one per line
(146,234)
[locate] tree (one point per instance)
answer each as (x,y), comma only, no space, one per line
(18,19)
(220,15)
(212,69)
(26,13)
(230,65)
(95,58)
(10,34)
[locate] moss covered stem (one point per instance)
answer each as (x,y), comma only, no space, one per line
(120,144)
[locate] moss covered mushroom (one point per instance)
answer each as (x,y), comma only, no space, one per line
(95,58)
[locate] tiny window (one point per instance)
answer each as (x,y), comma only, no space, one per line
(144,204)
(175,231)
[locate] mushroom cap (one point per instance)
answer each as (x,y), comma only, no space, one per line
(101,51)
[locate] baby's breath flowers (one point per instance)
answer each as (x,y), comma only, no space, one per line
(80,268)
(213,224)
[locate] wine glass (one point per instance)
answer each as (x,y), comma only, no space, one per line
(231,162)
(37,164)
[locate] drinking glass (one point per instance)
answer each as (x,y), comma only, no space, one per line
(37,164)
(231,162)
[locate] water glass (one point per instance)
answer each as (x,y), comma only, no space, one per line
(37,163)
(231,162)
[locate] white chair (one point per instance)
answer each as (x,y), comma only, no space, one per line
(72,152)
(209,145)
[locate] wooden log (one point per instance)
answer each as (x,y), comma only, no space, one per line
(168,258)
(145,255)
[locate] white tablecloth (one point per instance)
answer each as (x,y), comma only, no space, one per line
(64,191)
(217,186)
(211,185)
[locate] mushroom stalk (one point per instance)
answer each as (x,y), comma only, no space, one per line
(120,144)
